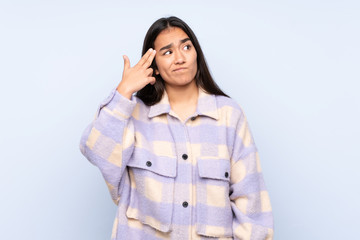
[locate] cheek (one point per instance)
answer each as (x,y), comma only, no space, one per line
(159,66)
(194,58)
(162,64)
(195,62)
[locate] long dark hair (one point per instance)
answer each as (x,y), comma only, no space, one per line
(151,94)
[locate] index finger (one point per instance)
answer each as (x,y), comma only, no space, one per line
(150,59)
(145,57)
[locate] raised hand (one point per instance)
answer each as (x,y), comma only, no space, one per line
(136,77)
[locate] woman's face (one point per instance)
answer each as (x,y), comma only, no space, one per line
(175,57)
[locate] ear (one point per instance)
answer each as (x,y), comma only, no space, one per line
(156,72)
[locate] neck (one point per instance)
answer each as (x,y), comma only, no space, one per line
(181,95)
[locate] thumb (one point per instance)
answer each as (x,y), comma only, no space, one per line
(126,62)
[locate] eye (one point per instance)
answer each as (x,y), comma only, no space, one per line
(166,53)
(187,46)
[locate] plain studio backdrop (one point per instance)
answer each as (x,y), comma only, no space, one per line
(292,65)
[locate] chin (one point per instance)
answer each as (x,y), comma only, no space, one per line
(185,82)
(180,82)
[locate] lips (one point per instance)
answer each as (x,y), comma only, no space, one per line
(179,69)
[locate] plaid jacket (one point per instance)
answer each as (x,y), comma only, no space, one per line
(172,179)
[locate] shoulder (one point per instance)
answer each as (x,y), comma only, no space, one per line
(141,110)
(229,106)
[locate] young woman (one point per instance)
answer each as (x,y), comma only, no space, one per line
(178,157)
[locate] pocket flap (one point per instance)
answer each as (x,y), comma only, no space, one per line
(216,168)
(163,165)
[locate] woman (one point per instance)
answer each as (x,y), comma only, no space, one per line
(178,157)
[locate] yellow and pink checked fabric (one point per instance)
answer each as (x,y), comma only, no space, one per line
(198,178)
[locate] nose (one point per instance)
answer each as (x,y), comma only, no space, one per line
(179,57)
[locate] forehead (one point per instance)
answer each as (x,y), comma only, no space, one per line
(168,36)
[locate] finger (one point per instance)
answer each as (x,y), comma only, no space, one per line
(151,80)
(126,62)
(145,57)
(149,72)
(150,59)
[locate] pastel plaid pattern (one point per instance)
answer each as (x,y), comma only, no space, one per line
(171,179)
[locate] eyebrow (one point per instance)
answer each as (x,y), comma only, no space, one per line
(170,45)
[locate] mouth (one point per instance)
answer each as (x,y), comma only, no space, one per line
(179,69)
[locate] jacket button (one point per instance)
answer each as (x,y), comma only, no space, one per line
(185,204)
(184,156)
(148,163)
(193,118)
(226,174)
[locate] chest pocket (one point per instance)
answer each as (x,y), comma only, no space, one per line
(152,189)
(214,213)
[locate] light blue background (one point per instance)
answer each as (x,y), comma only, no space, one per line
(292,65)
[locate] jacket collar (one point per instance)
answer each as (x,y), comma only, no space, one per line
(206,105)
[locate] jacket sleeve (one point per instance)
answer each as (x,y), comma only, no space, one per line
(249,199)
(108,141)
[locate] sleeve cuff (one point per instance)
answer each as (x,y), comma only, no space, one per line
(118,104)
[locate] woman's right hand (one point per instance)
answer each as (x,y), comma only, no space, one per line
(136,77)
